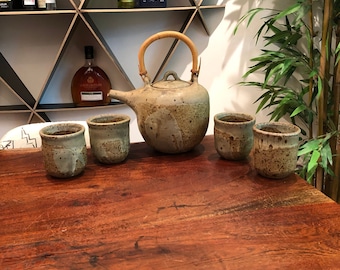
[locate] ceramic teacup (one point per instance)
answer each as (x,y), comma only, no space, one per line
(233,135)
(109,137)
(64,149)
(276,146)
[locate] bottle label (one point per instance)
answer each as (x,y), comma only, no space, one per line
(29,2)
(91,96)
(5,4)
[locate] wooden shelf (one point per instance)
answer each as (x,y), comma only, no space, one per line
(36,12)
(81,13)
(14,109)
(70,106)
(133,10)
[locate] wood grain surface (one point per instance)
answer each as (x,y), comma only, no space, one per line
(159,211)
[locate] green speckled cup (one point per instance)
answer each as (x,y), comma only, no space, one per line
(109,137)
(276,145)
(233,135)
(64,149)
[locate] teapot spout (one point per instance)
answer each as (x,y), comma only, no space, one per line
(120,95)
(126,97)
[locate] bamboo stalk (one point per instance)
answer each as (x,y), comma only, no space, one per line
(311,66)
(311,61)
(324,75)
(335,194)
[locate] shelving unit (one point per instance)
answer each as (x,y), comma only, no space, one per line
(84,13)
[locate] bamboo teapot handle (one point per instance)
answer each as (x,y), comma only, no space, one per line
(166,34)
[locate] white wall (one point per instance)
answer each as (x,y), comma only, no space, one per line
(224,59)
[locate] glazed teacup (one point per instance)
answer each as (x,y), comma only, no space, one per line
(276,146)
(233,135)
(109,137)
(64,149)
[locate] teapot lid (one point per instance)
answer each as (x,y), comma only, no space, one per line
(166,83)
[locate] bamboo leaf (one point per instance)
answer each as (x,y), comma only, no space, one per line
(313,162)
(254,68)
(299,109)
(271,71)
(262,103)
(292,9)
(326,156)
(278,113)
(288,74)
(250,16)
(288,25)
(337,50)
(312,165)
(319,89)
(309,147)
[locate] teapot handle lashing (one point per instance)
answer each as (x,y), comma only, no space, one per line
(166,34)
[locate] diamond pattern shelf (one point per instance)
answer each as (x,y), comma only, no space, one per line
(80,12)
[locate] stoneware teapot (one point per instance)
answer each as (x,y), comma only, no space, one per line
(172,114)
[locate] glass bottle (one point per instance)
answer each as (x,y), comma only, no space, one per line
(90,84)
(41,4)
(126,3)
(5,5)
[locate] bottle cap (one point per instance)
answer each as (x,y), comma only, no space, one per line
(89,52)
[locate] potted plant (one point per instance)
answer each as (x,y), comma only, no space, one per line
(301,82)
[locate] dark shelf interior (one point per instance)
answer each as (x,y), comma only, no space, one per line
(58,106)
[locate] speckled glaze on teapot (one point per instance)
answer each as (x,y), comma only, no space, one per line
(172,114)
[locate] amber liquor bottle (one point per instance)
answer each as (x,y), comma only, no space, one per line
(90,84)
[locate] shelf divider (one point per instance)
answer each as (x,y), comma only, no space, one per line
(82,13)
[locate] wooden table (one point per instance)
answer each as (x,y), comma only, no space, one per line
(158,211)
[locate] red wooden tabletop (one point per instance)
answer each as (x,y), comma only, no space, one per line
(159,211)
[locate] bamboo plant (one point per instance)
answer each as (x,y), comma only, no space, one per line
(301,81)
